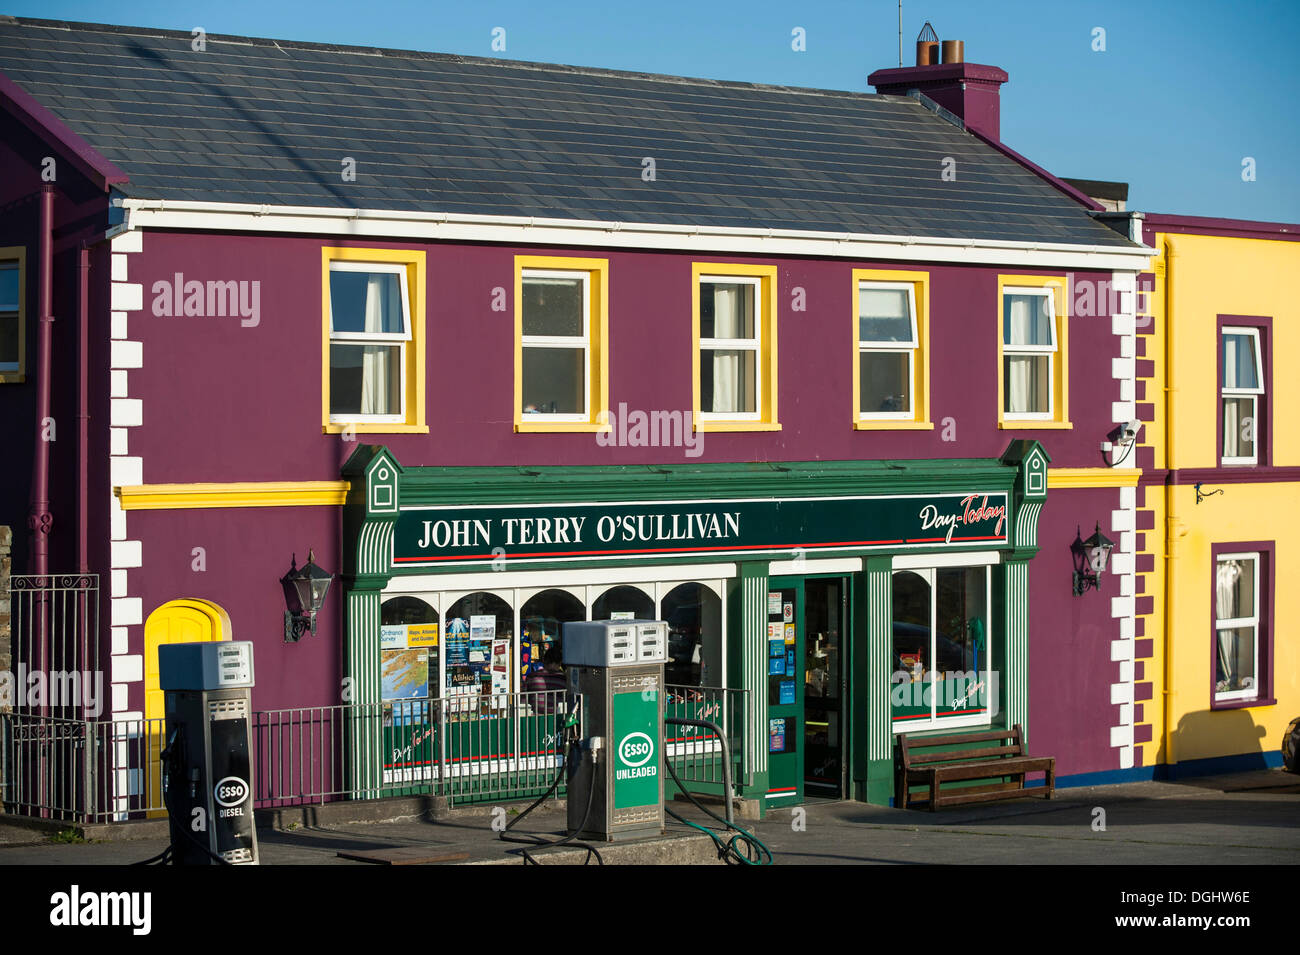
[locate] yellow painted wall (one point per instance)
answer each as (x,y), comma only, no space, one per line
(1244,512)
(1208,276)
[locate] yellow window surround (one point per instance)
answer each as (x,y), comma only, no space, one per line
(920,384)
(1060,419)
(766,396)
(416,349)
(597,271)
(18,254)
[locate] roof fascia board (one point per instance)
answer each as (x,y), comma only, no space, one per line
(248,217)
(23,106)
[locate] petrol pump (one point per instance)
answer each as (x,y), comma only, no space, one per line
(615,786)
(207,773)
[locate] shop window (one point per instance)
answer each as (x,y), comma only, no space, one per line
(409,656)
(541,624)
(694,616)
(734,322)
(1241,394)
(477,648)
(561,367)
(1241,638)
(1033,377)
(374,340)
(623,603)
(941,650)
(891,362)
(13,329)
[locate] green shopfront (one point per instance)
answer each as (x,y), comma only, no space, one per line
(848,600)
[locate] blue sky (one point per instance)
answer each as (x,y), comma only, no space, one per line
(1184,91)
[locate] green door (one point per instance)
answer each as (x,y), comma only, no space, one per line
(785,691)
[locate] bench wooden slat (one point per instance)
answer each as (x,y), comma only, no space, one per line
(956,740)
(950,756)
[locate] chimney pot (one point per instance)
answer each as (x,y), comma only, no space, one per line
(954,51)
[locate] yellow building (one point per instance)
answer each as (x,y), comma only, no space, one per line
(1217,663)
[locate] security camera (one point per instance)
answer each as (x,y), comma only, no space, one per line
(1129,431)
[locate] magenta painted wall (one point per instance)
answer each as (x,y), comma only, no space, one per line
(1070,669)
(227,403)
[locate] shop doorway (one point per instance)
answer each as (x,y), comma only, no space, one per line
(826,609)
(806,626)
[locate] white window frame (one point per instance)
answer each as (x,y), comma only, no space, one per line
(1252,393)
(377,338)
(930,574)
(1237,623)
(754,345)
(911,348)
(560,341)
(16,312)
(1011,351)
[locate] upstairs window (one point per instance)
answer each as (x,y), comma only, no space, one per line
(12,329)
(734,331)
(891,371)
(1033,381)
(561,357)
(1242,386)
(374,340)
(1236,627)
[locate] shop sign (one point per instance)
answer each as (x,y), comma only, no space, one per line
(461,535)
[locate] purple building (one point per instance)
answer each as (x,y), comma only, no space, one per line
(505,345)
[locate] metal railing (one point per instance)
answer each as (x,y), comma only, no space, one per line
(697,755)
(468,749)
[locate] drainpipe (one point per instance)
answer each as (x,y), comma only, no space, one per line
(1171,518)
(83,406)
(39,518)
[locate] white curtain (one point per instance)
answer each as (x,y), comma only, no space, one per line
(1225,587)
(726,367)
(1231,429)
(374,361)
(1020,371)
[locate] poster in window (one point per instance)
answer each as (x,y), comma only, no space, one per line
(776,736)
(392,637)
(405,674)
(773,602)
(776,666)
(422,635)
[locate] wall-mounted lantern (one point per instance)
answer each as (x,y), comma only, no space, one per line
(304,594)
(1090,558)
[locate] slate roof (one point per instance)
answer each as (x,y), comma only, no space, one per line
(268,121)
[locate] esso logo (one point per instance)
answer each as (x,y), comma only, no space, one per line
(231,791)
(636,749)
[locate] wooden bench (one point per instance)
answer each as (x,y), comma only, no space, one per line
(935,760)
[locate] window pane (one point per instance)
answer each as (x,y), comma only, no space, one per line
(911,636)
(9,340)
(961,645)
(365,379)
(541,620)
(694,615)
(1239,427)
(1239,362)
(1234,589)
(1235,660)
(1026,320)
(885,381)
(1025,384)
(366,302)
(473,649)
(727,382)
(726,310)
(627,602)
(884,315)
(553,306)
(554,381)
(8,287)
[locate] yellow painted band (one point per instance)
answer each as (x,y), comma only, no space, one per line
(165,497)
(1092,477)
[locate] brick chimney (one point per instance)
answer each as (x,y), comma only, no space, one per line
(968,90)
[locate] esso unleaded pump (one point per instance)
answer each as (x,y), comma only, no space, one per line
(616,786)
